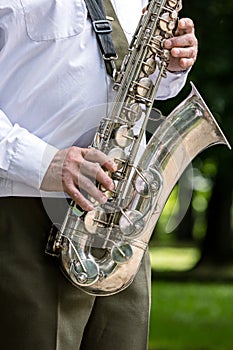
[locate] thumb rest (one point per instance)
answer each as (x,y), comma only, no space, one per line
(100,251)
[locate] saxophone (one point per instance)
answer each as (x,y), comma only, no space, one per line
(100,251)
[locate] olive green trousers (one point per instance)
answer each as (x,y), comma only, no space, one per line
(41,310)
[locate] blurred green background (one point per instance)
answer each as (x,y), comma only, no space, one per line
(191,248)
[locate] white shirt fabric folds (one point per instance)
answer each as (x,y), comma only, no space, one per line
(53,85)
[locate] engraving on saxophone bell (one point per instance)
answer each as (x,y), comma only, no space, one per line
(100,251)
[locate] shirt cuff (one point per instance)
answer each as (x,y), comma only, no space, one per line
(171,85)
(26,157)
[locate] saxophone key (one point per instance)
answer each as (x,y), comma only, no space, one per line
(133,111)
(156,43)
(171,25)
(131,222)
(147,183)
(118,155)
(95,220)
(124,136)
(121,253)
(172,3)
(149,66)
(85,272)
(143,86)
(167,23)
(110,195)
(174,15)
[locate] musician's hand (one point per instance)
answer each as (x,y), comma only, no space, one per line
(183,46)
(74,169)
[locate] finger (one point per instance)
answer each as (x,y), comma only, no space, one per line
(189,52)
(96,156)
(75,169)
(186,63)
(75,186)
(85,184)
(185,26)
(95,171)
(186,40)
(77,196)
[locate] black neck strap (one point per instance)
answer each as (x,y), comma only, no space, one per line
(103,29)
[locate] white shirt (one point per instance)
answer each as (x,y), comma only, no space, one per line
(51,71)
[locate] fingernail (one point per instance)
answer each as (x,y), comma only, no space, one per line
(111,186)
(103,199)
(176,52)
(114,166)
(168,44)
(90,207)
(182,23)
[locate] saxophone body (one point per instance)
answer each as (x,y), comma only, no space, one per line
(100,251)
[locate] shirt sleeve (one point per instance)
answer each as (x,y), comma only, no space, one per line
(171,85)
(23,156)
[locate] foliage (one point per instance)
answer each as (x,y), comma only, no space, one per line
(210,214)
(213,69)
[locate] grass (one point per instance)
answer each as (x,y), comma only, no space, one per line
(191,314)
